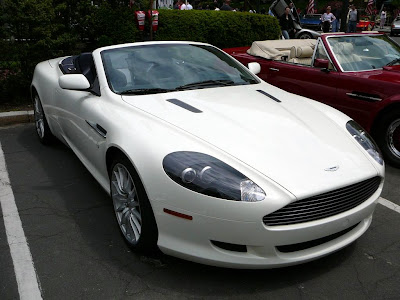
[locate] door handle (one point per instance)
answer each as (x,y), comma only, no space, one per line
(274,69)
(364,96)
(100,130)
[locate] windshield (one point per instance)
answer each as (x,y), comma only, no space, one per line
(361,53)
(150,69)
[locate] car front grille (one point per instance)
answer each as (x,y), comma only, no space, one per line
(324,205)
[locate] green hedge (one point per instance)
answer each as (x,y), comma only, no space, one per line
(220,28)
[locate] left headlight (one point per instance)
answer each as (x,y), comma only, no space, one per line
(365,140)
(208,175)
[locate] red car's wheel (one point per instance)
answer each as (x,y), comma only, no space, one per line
(388,138)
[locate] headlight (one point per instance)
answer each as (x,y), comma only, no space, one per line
(365,140)
(207,175)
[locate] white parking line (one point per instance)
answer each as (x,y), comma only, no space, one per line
(389,204)
(24,269)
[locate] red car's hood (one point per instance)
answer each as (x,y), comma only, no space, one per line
(392,68)
(388,74)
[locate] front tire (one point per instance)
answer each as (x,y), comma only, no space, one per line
(132,208)
(388,138)
(42,127)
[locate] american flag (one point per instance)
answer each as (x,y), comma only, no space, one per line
(310,7)
(369,7)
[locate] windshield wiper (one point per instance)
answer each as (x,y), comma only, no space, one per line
(394,61)
(205,84)
(145,91)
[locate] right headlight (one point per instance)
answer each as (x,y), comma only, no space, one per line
(365,140)
(208,175)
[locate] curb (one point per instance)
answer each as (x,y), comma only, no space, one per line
(16,117)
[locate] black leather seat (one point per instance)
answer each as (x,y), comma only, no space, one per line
(85,65)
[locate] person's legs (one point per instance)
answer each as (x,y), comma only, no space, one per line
(353,26)
(285,34)
(325,26)
(334,26)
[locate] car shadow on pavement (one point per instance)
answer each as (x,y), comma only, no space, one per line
(78,251)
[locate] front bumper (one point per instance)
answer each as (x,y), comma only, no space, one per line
(192,240)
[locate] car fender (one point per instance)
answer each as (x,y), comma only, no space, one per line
(312,32)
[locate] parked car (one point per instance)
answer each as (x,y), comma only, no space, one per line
(395,27)
(205,160)
(358,74)
(278,9)
(365,24)
(312,21)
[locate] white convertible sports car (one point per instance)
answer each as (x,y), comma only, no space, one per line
(205,160)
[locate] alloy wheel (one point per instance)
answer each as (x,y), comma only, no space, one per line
(39,117)
(126,203)
(393,137)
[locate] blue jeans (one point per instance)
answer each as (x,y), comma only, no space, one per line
(285,34)
(336,25)
(352,26)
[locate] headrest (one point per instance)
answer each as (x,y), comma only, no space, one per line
(292,52)
(305,51)
(118,79)
(344,48)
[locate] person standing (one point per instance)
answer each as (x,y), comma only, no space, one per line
(293,11)
(178,4)
(383,18)
(226,6)
(353,19)
(327,18)
(337,11)
(286,23)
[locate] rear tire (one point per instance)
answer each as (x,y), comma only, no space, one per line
(388,138)
(305,35)
(42,127)
(132,208)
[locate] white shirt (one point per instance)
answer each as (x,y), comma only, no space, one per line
(328,17)
(183,6)
(383,15)
(189,6)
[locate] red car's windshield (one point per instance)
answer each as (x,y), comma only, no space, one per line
(364,52)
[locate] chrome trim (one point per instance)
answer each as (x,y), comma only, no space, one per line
(274,69)
(327,54)
(100,130)
(363,97)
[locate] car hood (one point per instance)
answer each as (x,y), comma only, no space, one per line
(388,74)
(287,141)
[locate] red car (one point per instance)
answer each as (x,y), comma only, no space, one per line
(365,24)
(358,74)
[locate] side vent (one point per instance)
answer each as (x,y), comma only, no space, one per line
(268,95)
(184,105)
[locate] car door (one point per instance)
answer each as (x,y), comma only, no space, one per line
(82,118)
(308,81)
(359,96)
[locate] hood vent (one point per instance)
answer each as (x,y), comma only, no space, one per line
(184,105)
(268,95)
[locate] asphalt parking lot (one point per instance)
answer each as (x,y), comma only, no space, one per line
(78,252)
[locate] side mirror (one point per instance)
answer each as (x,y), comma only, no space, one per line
(74,82)
(254,67)
(321,63)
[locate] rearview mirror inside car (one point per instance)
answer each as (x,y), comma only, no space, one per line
(74,82)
